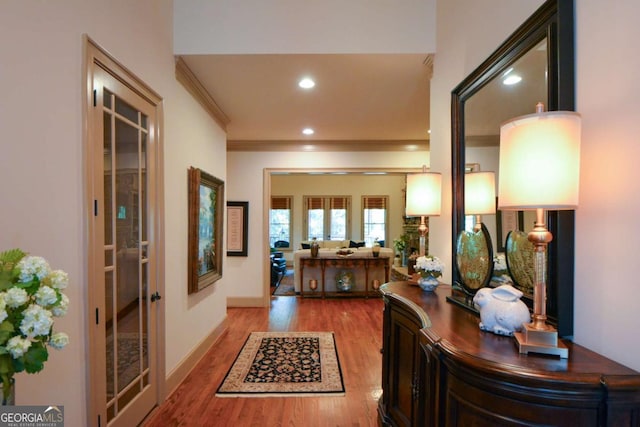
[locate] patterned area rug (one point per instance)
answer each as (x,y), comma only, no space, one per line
(128,359)
(286,287)
(285,364)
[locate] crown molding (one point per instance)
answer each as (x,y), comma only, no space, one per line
(428,62)
(189,80)
(320,146)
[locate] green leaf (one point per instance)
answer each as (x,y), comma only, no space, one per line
(6,331)
(35,357)
(6,365)
(18,364)
(8,259)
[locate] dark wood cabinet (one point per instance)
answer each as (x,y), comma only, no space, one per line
(440,369)
(403,370)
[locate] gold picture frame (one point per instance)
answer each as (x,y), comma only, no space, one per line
(206,195)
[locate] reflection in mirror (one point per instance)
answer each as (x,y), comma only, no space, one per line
(494,104)
(539,58)
(474,249)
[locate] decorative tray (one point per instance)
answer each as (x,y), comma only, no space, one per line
(344,252)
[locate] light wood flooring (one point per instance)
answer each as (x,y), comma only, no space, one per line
(357,324)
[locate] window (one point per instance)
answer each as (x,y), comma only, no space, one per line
(374,218)
(470,220)
(280,222)
(327,217)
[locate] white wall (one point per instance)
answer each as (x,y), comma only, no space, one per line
(607,70)
(41,166)
(192,139)
(245,175)
(310,26)
(606,314)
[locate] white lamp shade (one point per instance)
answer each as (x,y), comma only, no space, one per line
(540,161)
(424,194)
(480,193)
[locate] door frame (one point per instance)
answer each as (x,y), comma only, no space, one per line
(94,55)
(266,206)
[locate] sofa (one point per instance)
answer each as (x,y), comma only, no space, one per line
(334,244)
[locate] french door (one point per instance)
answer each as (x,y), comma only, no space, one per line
(124,298)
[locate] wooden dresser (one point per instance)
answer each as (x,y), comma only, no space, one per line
(440,369)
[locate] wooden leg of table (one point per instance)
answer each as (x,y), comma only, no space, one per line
(366,279)
(322,268)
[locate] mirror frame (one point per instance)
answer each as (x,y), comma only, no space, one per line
(554,20)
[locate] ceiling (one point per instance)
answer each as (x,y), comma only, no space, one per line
(360,100)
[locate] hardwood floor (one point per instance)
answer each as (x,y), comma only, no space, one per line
(357,324)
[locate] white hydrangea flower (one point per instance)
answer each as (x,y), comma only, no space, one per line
(59,340)
(15,297)
(57,279)
(18,346)
(46,296)
(430,263)
(37,321)
(31,267)
(500,262)
(60,309)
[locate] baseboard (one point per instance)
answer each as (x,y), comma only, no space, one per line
(178,375)
(245,302)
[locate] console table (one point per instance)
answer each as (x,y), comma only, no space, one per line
(337,261)
(439,369)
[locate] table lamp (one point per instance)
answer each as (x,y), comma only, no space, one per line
(474,251)
(540,169)
(423,199)
(479,195)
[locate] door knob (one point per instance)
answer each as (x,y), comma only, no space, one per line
(155,296)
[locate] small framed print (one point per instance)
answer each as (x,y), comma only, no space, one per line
(237,228)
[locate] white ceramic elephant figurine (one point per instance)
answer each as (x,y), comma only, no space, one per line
(501,310)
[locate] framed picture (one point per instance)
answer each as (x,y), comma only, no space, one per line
(206,194)
(237,228)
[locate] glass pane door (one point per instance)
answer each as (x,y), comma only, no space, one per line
(126,265)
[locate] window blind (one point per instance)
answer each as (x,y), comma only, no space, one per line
(280,202)
(338,202)
(374,202)
(315,203)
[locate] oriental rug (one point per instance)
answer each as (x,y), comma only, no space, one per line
(285,364)
(286,286)
(128,359)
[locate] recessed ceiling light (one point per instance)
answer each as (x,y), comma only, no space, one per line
(306,83)
(308,131)
(511,79)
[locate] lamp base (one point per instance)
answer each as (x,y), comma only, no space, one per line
(545,341)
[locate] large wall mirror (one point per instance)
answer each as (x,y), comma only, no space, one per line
(541,53)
